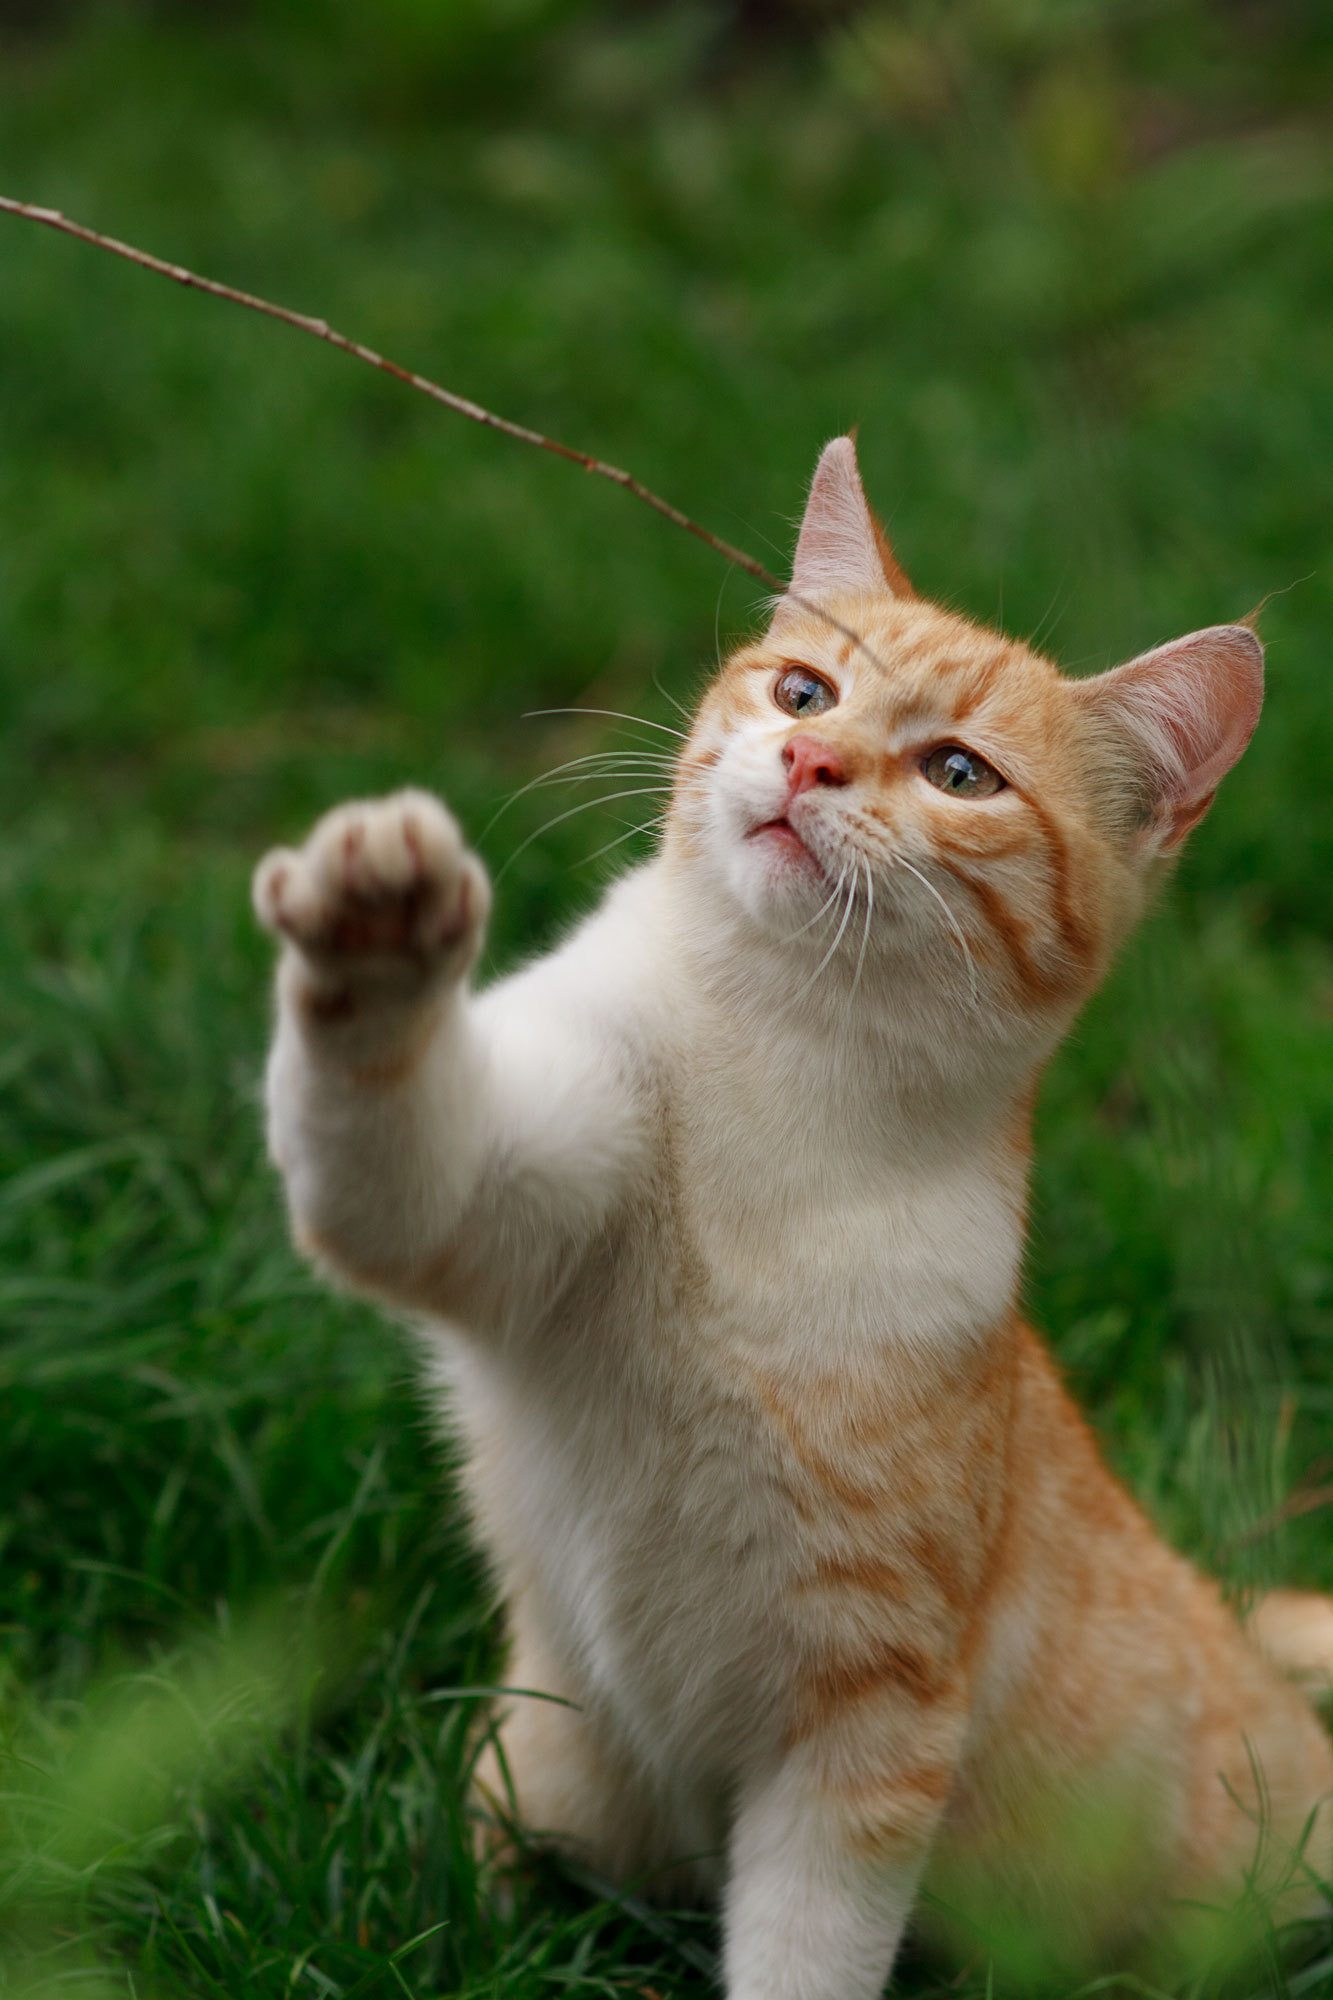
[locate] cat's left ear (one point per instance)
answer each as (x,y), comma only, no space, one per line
(1185,711)
(841,545)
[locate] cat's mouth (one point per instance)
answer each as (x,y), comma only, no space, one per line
(780,836)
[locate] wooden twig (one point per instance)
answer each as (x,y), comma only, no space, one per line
(463,406)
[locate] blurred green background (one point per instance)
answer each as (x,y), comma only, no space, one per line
(1069,266)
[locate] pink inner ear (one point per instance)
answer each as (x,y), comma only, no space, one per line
(838,547)
(1191,707)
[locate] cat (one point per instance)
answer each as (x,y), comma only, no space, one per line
(713,1220)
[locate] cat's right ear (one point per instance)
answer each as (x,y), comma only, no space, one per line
(1184,712)
(841,545)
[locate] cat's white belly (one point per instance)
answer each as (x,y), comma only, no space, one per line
(626,1481)
(633,1516)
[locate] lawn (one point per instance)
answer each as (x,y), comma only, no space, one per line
(1069,267)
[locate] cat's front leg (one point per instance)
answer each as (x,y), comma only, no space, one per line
(826,1856)
(378,1097)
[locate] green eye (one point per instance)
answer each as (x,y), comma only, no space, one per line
(962,772)
(802,692)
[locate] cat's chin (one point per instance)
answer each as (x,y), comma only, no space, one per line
(784,851)
(776,878)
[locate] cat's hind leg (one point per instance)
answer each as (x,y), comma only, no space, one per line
(546,1777)
(1295,1629)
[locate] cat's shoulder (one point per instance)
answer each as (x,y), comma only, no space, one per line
(610,983)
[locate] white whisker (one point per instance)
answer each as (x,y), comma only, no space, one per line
(810,922)
(846,919)
(584,805)
(640,826)
(717,616)
(865,934)
(949,917)
(619,767)
(608,763)
(618,714)
(837,937)
(667,695)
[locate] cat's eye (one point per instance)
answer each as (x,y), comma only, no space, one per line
(803,692)
(961,772)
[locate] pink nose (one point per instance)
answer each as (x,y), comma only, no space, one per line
(810,762)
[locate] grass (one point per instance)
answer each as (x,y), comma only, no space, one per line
(1070,269)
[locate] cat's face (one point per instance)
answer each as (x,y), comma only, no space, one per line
(885,785)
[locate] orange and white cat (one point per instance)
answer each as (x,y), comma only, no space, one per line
(713,1220)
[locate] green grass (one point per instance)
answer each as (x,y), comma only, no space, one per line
(1070,268)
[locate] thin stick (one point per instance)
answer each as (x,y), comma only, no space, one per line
(463,406)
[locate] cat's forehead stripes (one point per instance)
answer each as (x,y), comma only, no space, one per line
(917,668)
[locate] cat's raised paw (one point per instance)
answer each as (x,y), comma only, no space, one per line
(380,885)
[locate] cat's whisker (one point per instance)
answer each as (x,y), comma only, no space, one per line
(691,776)
(1051,612)
(667,695)
(629,767)
(838,934)
(865,934)
(810,922)
(607,763)
(950,918)
(836,900)
(623,753)
(640,826)
(584,805)
(618,714)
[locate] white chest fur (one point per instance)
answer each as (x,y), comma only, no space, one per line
(787,1225)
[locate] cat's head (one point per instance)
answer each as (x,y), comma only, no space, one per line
(884,784)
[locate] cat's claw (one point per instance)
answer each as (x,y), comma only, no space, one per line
(379,885)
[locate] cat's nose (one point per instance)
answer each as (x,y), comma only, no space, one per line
(809,763)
